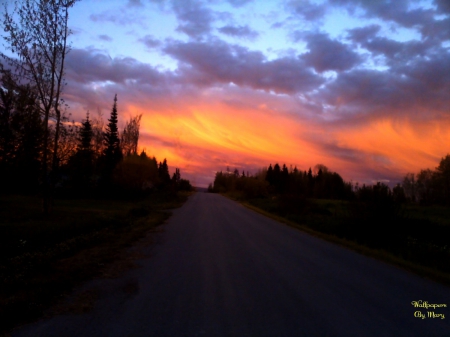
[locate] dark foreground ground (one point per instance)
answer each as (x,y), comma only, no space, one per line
(220,269)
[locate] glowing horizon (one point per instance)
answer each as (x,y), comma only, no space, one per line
(361,87)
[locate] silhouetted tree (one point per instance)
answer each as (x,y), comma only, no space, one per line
(21,137)
(112,153)
(409,186)
(136,174)
(130,135)
(37,32)
(81,164)
(163,173)
(176,176)
(443,179)
(269,175)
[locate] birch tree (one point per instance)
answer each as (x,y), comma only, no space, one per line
(36,34)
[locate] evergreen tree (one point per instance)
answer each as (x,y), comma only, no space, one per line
(112,153)
(111,136)
(81,164)
(86,135)
(269,175)
(176,176)
(163,172)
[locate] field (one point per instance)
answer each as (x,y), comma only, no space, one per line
(43,258)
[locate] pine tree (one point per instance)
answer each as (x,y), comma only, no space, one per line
(81,164)
(163,172)
(112,154)
(176,176)
(269,175)
(111,136)
(86,135)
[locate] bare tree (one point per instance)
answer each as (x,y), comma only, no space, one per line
(130,135)
(36,32)
(98,126)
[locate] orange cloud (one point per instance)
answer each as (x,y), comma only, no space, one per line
(406,146)
(210,134)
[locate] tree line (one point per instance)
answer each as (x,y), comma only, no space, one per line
(277,179)
(92,157)
(40,149)
(427,187)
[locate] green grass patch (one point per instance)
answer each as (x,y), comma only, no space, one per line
(44,257)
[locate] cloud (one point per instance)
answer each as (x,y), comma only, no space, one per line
(135,3)
(195,20)
(367,104)
(422,19)
(307,10)
(119,17)
(217,62)
(326,54)
(95,66)
(239,3)
(394,51)
(443,6)
(105,38)
(239,31)
(150,41)
(417,89)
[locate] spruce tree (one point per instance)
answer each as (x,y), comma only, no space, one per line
(86,135)
(163,172)
(81,164)
(112,154)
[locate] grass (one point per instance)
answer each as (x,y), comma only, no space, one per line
(43,258)
(326,219)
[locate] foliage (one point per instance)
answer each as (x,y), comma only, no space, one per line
(112,153)
(429,186)
(136,173)
(130,135)
(39,40)
(21,137)
(279,180)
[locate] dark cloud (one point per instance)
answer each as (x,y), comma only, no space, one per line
(277,25)
(307,10)
(420,86)
(239,31)
(118,17)
(217,62)
(135,3)
(421,19)
(395,52)
(94,66)
(364,34)
(195,19)
(105,38)
(443,6)
(150,41)
(326,54)
(238,3)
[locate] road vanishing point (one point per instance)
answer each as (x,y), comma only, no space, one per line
(220,269)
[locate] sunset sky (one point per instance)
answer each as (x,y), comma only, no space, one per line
(361,86)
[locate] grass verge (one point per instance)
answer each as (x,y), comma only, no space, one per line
(43,258)
(424,271)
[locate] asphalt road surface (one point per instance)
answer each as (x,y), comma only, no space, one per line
(220,269)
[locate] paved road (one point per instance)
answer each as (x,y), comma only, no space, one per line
(223,270)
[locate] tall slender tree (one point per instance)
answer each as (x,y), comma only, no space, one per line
(37,32)
(81,164)
(112,153)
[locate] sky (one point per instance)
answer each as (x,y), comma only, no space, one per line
(360,86)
